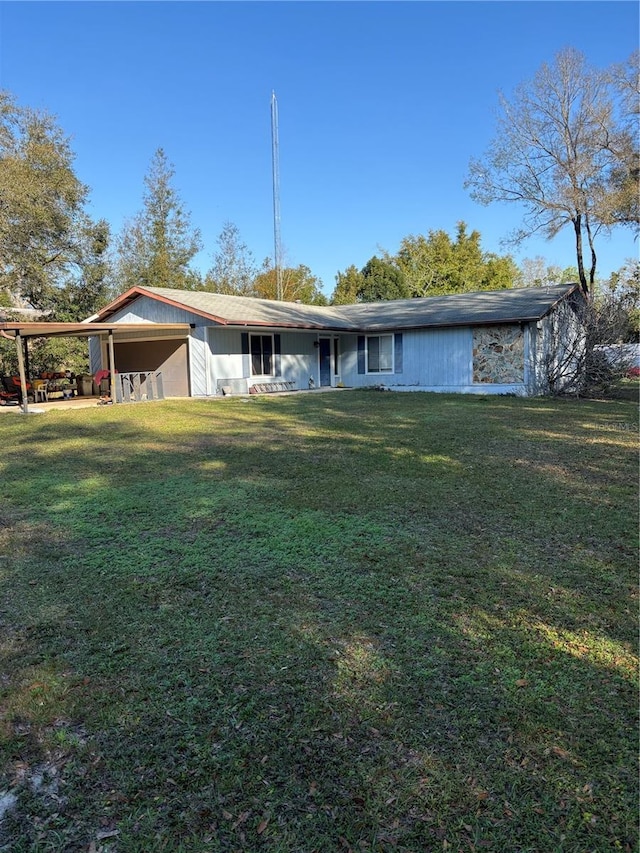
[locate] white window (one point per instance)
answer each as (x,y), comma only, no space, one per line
(380,354)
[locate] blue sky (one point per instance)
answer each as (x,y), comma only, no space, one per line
(381,106)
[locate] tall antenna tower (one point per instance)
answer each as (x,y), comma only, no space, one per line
(275,167)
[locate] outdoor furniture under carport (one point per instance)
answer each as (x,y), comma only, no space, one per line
(8,392)
(40,390)
(21,333)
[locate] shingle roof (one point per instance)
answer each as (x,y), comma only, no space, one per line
(463,309)
(245,310)
(484,307)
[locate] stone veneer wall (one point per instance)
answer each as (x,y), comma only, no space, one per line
(498,354)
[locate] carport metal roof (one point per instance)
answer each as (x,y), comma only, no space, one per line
(79,330)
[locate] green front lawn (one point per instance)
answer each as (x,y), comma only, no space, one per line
(327,622)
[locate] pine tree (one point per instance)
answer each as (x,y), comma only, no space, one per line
(157,246)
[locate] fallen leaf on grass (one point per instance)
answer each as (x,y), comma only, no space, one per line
(241,819)
(522,682)
(262,826)
(561,753)
(111,833)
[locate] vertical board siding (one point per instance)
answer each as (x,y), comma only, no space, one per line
(95,355)
(297,359)
(225,359)
(435,357)
(246,355)
(362,355)
(397,352)
(300,359)
(146,310)
(430,358)
(198,356)
(425,359)
(557,347)
(277,355)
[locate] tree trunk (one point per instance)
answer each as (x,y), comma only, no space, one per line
(577,227)
(594,259)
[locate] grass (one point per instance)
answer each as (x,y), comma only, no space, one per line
(330,622)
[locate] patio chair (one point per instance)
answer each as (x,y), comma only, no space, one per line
(40,390)
(8,392)
(12,386)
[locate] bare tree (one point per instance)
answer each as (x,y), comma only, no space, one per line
(601,346)
(537,272)
(564,148)
(234,269)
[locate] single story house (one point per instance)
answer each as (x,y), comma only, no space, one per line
(524,341)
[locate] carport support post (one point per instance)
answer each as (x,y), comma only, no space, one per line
(112,368)
(25,347)
(23,376)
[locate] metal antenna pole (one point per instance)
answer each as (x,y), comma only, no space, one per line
(276,194)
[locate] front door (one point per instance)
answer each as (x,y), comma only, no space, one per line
(325,361)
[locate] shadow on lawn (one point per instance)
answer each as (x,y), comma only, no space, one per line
(336,630)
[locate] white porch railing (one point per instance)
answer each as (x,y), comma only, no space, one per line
(139,387)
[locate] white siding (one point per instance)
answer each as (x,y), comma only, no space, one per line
(225,355)
(150,311)
(437,357)
(432,358)
(145,310)
(557,350)
(298,361)
(95,355)
(198,355)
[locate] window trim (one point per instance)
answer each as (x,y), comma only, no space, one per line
(379,372)
(262,335)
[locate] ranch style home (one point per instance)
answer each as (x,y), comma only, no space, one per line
(522,341)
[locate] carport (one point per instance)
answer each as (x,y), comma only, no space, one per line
(108,333)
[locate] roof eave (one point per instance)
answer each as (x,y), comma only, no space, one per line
(61,330)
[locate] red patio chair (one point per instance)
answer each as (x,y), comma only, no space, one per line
(8,391)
